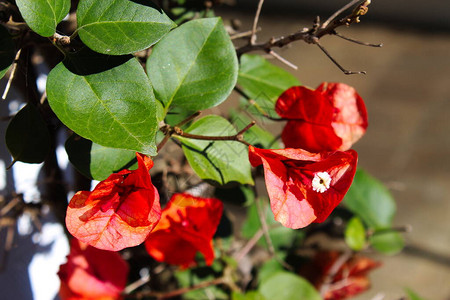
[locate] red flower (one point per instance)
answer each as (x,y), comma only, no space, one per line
(348,280)
(187,225)
(304,187)
(332,117)
(90,273)
(120,212)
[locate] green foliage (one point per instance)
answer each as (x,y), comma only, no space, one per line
(194,66)
(121,26)
(252,295)
(388,243)
(219,161)
(108,100)
(413,295)
(286,285)
(43,15)
(7,51)
(355,234)
(27,136)
(95,161)
(263,81)
(372,202)
(269,268)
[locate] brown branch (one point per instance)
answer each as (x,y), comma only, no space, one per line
(255,22)
(312,35)
(12,74)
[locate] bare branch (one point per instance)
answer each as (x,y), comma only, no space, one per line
(255,22)
(283,60)
(12,74)
(346,72)
(338,12)
(356,41)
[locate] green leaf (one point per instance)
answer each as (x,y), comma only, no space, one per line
(285,285)
(263,81)
(43,15)
(355,234)
(7,51)
(194,66)
(106,99)
(413,295)
(282,237)
(95,161)
(388,243)
(370,200)
(27,136)
(198,275)
(219,161)
(269,268)
(121,26)
(252,295)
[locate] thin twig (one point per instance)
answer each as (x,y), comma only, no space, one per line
(255,22)
(357,42)
(137,284)
(346,72)
(283,60)
(12,74)
(243,34)
(338,12)
(250,244)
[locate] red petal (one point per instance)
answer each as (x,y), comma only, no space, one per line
(91,273)
(187,223)
(289,174)
(119,213)
(350,121)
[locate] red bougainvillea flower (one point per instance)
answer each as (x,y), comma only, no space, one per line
(91,273)
(332,117)
(304,187)
(120,212)
(350,279)
(187,225)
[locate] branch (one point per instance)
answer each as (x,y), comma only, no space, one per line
(312,35)
(12,74)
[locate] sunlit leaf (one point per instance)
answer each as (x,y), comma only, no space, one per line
(43,15)
(355,234)
(219,161)
(106,99)
(194,66)
(27,136)
(121,26)
(388,243)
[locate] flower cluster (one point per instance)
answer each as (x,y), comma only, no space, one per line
(307,180)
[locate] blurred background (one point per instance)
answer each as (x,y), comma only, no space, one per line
(407,145)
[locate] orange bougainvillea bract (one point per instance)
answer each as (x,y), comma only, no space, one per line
(304,187)
(187,225)
(91,273)
(332,117)
(120,212)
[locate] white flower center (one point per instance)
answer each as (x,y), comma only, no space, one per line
(321,182)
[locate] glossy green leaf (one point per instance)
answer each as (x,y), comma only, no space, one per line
(282,237)
(27,136)
(95,161)
(264,82)
(388,243)
(7,51)
(194,66)
(252,295)
(106,99)
(43,15)
(286,285)
(121,26)
(370,200)
(355,234)
(219,161)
